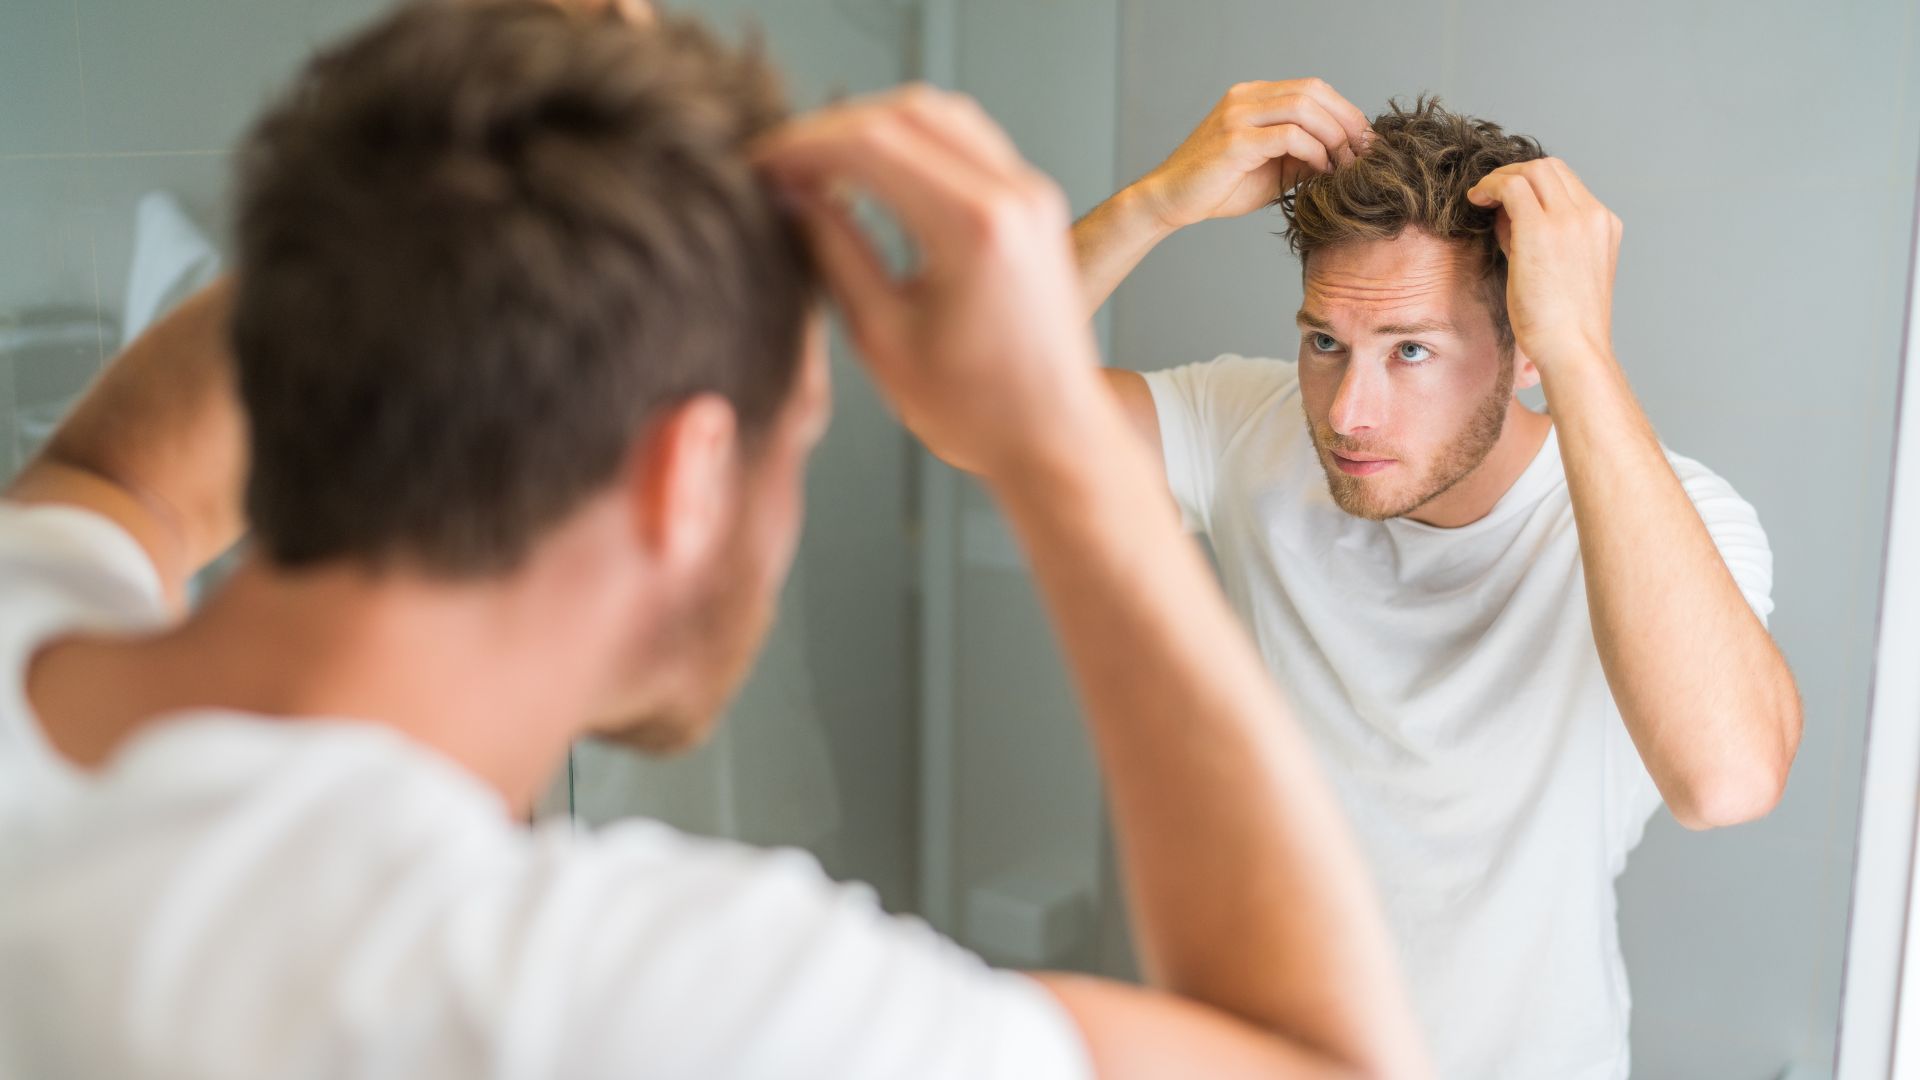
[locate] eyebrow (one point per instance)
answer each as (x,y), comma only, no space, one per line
(1308,318)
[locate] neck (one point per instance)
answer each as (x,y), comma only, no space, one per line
(496,677)
(1522,434)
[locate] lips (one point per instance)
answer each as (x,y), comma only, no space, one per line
(1360,464)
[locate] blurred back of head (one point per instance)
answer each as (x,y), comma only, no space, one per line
(481,244)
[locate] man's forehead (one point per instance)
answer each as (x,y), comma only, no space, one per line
(1410,280)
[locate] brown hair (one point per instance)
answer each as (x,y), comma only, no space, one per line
(481,244)
(1415,174)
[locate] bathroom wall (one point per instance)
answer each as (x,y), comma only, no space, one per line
(102,102)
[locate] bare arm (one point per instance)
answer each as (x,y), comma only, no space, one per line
(157,444)
(1259,140)
(1250,899)
(1705,693)
(1136,404)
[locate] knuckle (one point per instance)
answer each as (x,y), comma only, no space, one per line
(1047,197)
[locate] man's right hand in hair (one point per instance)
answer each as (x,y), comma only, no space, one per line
(1257,143)
(981,350)
(1251,908)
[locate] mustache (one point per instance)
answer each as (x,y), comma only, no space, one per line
(1343,444)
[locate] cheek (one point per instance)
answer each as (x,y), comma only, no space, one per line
(1451,398)
(1318,386)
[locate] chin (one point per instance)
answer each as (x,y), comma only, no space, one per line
(1362,500)
(662,735)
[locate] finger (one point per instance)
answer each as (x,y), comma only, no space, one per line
(1290,140)
(1307,113)
(934,192)
(1508,189)
(1571,179)
(1359,130)
(1575,186)
(960,122)
(1547,184)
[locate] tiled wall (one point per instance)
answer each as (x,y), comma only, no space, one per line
(102,102)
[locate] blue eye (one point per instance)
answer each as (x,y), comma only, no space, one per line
(1402,354)
(1325,343)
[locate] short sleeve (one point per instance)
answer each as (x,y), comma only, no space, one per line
(1736,532)
(677,957)
(1201,408)
(63,570)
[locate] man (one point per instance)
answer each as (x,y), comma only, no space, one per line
(1510,635)
(531,369)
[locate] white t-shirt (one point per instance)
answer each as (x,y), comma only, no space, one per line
(62,571)
(253,897)
(1449,680)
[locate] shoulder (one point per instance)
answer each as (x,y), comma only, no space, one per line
(1220,396)
(71,551)
(1233,373)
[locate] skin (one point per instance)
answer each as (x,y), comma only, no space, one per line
(1705,694)
(1435,406)
(638,614)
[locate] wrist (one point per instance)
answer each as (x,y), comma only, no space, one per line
(1579,352)
(1576,373)
(1144,213)
(1085,433)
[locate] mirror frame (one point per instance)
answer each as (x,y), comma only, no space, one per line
(1879,1033)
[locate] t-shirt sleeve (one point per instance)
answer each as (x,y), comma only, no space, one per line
(62,570)
(1736,531)
(697,958)
(1201,408)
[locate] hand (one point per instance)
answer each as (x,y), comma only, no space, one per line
(638,12)
(983,351)
(1259,141)
(1562,246)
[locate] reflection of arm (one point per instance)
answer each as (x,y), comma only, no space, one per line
(1110,241)
(1704,692)
(157,445)
(1247,893)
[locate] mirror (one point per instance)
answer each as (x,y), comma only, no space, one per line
(909,722)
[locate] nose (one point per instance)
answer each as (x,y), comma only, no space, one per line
(1360,404)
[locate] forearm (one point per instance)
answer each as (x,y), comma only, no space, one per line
(1246,891)
(158,442)
(1704,692)
(1111,240)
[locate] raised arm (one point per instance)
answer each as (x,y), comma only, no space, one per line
(158,443)
(1259,140)
(1252,908)
(1706,695)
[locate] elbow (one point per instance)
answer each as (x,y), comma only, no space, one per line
(1728,800)
(1745,789)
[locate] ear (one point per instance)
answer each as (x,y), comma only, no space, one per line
(1525,375)
(682,481)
